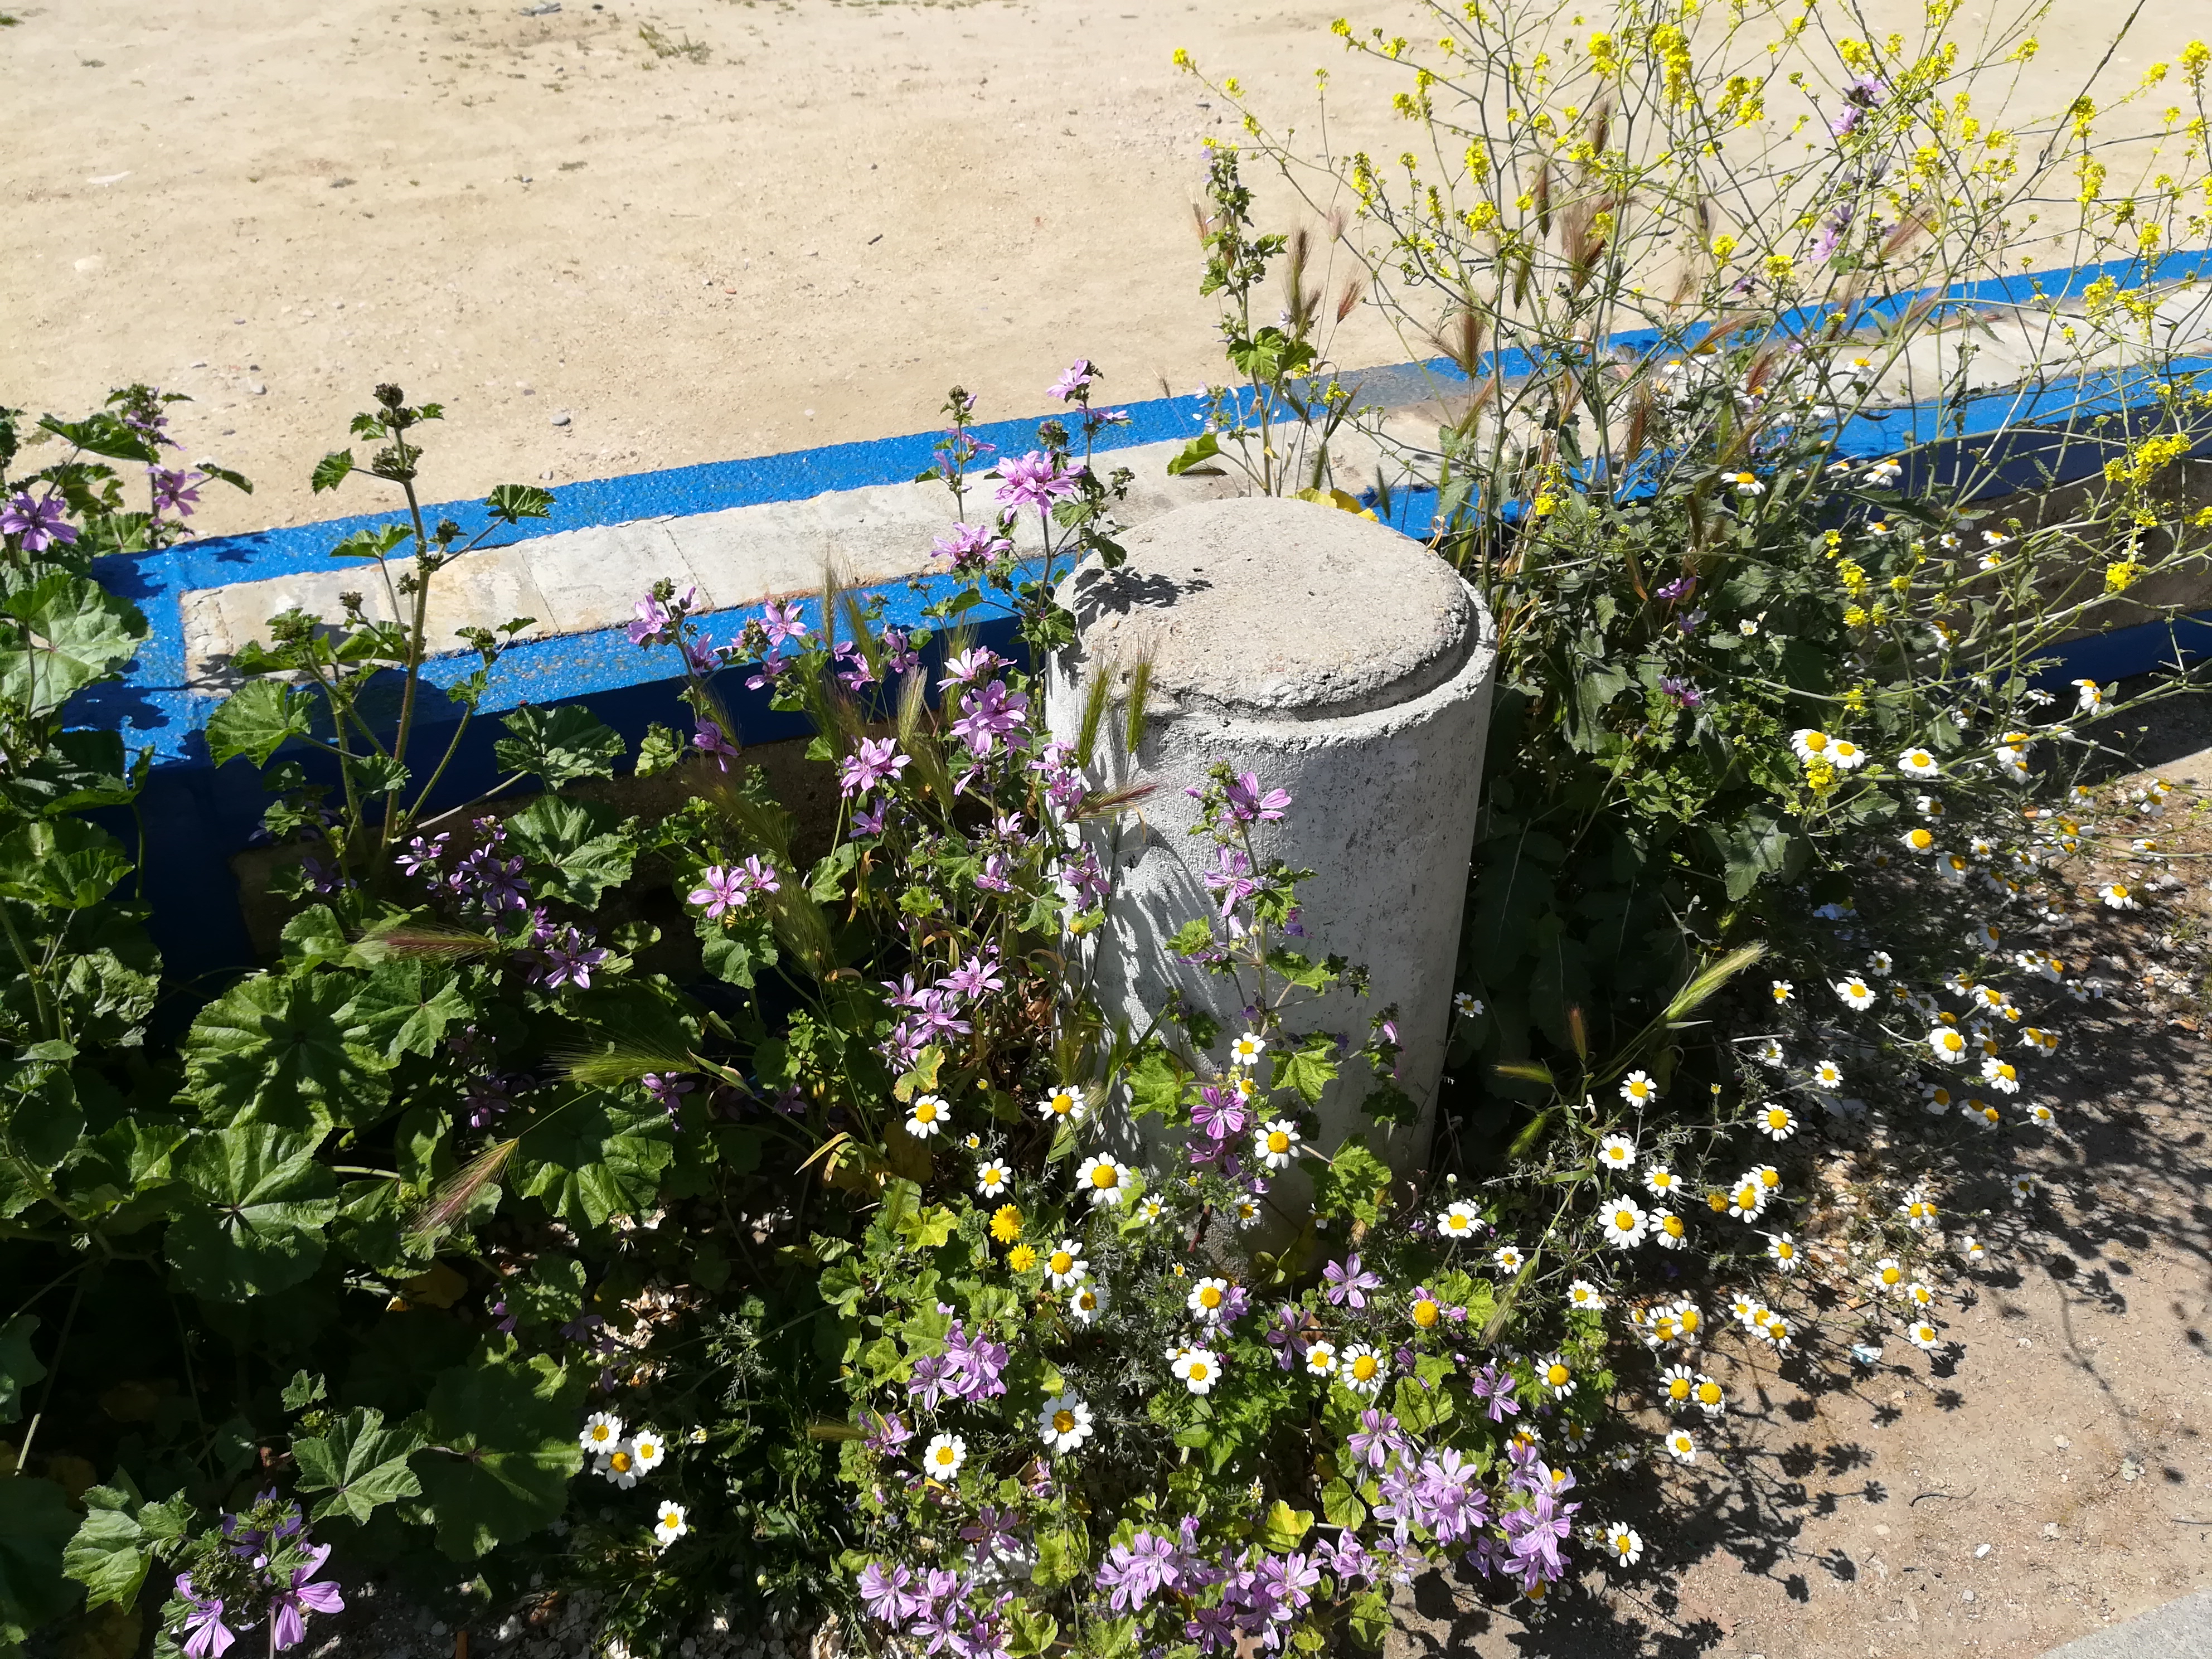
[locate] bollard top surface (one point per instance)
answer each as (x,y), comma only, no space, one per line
(1286,610)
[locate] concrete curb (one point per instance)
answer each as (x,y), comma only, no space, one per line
(2182,1629)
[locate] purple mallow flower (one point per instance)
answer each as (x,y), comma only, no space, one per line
(1037,479)
(287,1628)
(38,522)
(877,760)
(1349,1283)
(989,714)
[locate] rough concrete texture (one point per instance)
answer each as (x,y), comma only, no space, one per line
(1335,658)
(579,581)
(2182,1629)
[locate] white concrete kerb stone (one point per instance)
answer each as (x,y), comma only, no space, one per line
(1338,660)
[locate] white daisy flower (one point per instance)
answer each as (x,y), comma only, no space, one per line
(942,1457)
(1924,1336)
(1198,1370)
(1919,1213)
(1827,1076)
(1623,1543)
(1065,1104)
(1467,1004)
(2024,1186)
(1918,763)
(1972,1251)
(1247,1211)
(1810,745)
(1668,1231)
(1682,1447)
(1276,1144)
(1920,1295)
(1845,755)
(1616,1152)
(1064,1422)
(2042,1116)
(1784,990)
(1152,1209)
(669,1524)
(1362,1368)
(2117,897)
(1677,1384)
(1248,1048)
(1625,1223)
(926,1117)
(1770,1052)
(1087,1302)
(649,1448)
(992,1178)
(1746,1198)
(603,1432)
(1888,1277)
(1855,993)
(1775,1122)
(1553,1372)
(1660,1181)
(1321,1358)
(1880,964)
(1747,628)
(1783,1249)
(619,1465)
(1461,1220)
(1509,1260)
(2002,1075)
(1065,1265)
(1106,1181)
(1948,1044)
(2091,698)
(1638,1090)
(1206,1299)
(1709,1396)
(1585,1297)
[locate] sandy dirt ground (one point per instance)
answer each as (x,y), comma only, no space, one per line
(614,237)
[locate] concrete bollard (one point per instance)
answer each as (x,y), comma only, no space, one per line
(1338,660)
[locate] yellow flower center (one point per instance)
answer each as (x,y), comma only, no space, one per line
(1678,1387)
(1625,1220)
(1673,1225)
(1785,1250)
(1277,1141)
(1365,1366)
(1689,1317)
(620,1462)
(944,1457)
(1708,1393)
(1198,1371)
(1770,1177)
(1061,1261)
(1104,1175)
(1890,1275)
(925,1111)
(1555,1375)
(1209,1296)
(1062,1421)
(1425,1313)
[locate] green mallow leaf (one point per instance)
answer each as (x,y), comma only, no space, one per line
(587,849)
(360,1464)
(601,1156)
(111,1552)
(65,864)
(68,633)
(505,1434)
(36,1524)
(558,744)
(19,1366)
(263,1203)
(405,1006)
(257,721)
(289,1050)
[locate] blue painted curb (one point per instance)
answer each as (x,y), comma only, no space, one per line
(207,814)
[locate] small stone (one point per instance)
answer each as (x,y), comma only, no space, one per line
(2061,1442)
(1982,1552)
(437,1627)
(201,364)
(2051,1529)
(257,388)
(1966,1595)
(2130,1469)
(1881,1530)
(561,419)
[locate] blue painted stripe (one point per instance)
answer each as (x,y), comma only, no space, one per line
(152,707)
